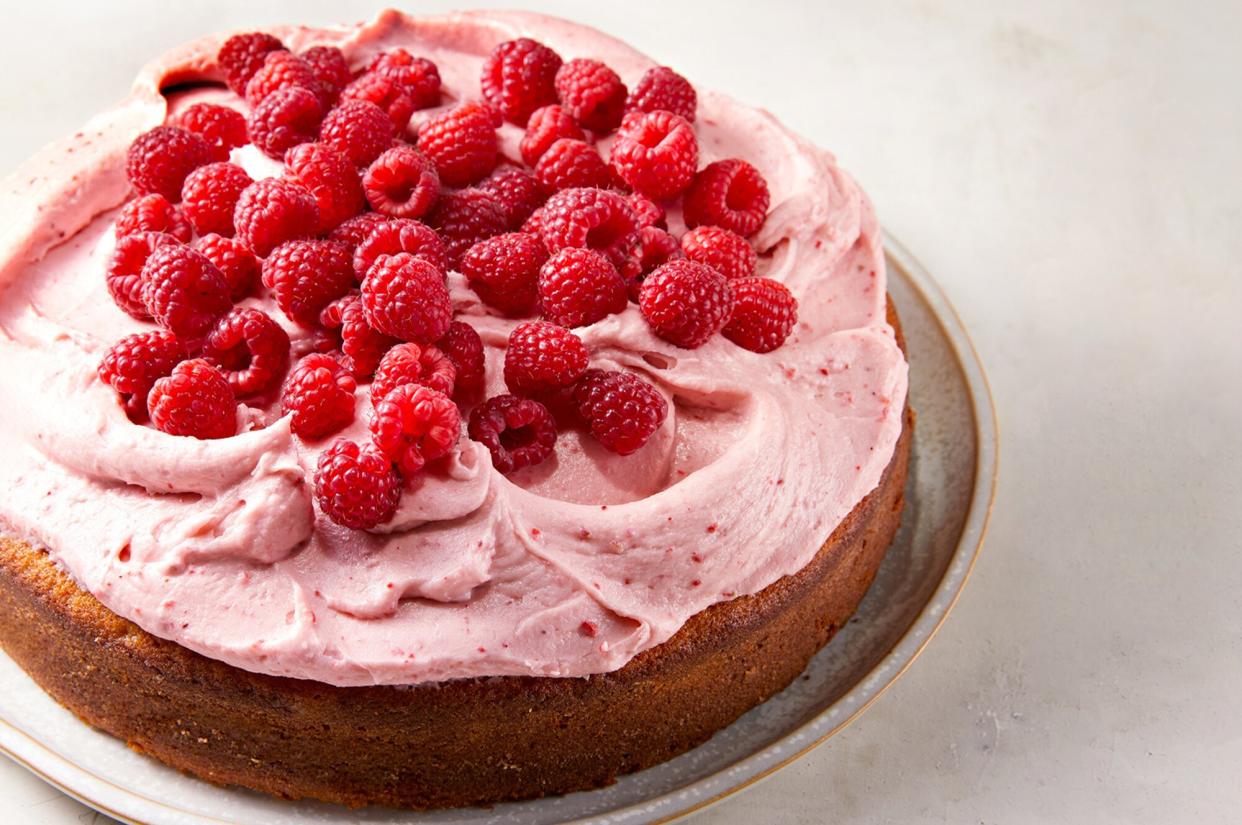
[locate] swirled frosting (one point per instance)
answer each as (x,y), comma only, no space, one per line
(565,569)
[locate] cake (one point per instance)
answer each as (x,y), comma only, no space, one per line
(436,411)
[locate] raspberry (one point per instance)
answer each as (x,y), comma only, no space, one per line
(319,396)
(504,271)
(284,119)
(353,231)
(571,163)
(622,410)
(272,211)
(417,77)
(362,345)
(153,213)
(413,425)
(402,182)
(518,192)
(685,302)
(385,94)
(183,290)
(764,313)
(463,346)
(729,194)
(647,211)
(235,261)
(210,195)
(329,67)
(519,76)
(656,153)
(194,400)
(518,432)
(283,70)
(242,55)
(306,276)
(662,88)
(412,364)
(579,287)
(542,357)
(658,248)
(250,348)
(545,127)
(356,486)
(405,297)
(223,127)
(591,219)
(124,275)
(359,130)
(391,237)
(726,252)
(462,142)
(466,217)
(133,364)
(330,177)
(159,160)
(591,93)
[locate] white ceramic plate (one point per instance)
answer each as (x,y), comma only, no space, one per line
(949,496)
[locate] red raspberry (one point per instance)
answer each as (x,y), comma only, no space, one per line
(591,93)
(504,271)
(353,231)
(518,432)
(656,153)
(133,364)
(272,211)
(250,348)
(545,127)
(462,142)
(518,192)
(730,194)
(159,160)
(330,67)
(356,486)
(385,94)
(622,410)
(153,213)
(362,345)
(194,400)
(235,261)
(463,346)
(183,290)
(284,119)
(686,303)
(412,364)
(402,182)
(647,211)
(726,252)
(542,357)
(306,276)
(405,297)
(658,248)
(764,313)
(591,219)
(359,130)
(572,163)
(223,127)
(319,396)
(124,275)
(466,217)
(519,76)
(242,55)
(282,70)
(330,177)
(413,425)
(579,287)
(394,236)
(662,88)
(210,195)
(417,77)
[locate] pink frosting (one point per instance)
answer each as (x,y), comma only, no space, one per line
(566,569)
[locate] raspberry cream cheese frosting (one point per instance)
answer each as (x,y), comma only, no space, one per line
(568,568)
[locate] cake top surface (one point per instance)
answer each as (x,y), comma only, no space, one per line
(568,567)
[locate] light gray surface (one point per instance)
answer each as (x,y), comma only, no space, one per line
(1070,176)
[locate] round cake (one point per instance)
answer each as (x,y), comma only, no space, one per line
(436,411)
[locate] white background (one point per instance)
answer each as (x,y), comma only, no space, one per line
(1070,173)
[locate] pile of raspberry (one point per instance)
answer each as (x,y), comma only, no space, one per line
(384,191)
